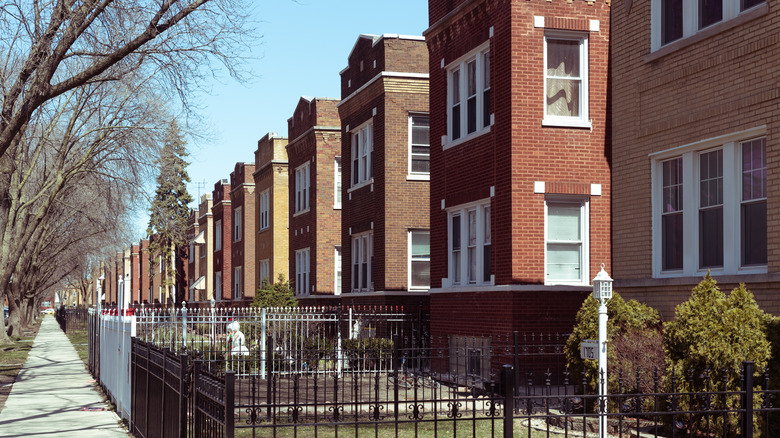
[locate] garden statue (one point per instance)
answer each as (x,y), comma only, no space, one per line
(236,340)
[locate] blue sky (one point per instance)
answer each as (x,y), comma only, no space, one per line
(304,46)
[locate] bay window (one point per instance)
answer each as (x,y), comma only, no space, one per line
(469,107)
(469,242)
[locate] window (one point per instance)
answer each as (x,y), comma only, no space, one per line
(237,224)
(265,209)
(362,261)
(702,191)
(337,184)
(565,79)
(192,253)
(217,235)
(238,283)
(362,151)
(218,286)
(419,145)
(264,271)
(469,245)
(566,249)
(302,188)
(337,287)
(469,110)
(419,259)
(674,20)
(302,272)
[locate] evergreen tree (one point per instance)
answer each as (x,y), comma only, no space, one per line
(169,211)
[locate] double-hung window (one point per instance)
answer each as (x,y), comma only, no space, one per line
(419,145)
(218,286)
(237,224)
(469,243)
(218,235)
(302,267)
(362,258)
(566,246)
(566,79)
(362,151)
(337,276)
(265,209)
(238,283)
(673,20)
(265,274)
(469,107)
(709,199)
(302,188)
(419,259)
(337,183)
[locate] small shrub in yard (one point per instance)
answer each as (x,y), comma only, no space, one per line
(634,344)
(279,294)
(705,345)
(368,354)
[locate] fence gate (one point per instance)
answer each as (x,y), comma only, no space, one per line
(213,403)
(159,393)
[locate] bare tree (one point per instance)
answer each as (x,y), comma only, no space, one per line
(72,177)
(52,47)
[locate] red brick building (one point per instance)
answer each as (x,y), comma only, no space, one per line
(223,241)
(143,258)
(313,153)
(695,127)
(242,251)
(385,148)
(135,274)
(520,170)
(204,247)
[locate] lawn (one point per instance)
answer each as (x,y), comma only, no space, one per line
(12,358)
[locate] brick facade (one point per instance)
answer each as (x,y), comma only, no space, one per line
(678,101)
(384,84)
(222,213)
(205,250)
(271,177)
(518,165)
(314,133)
(242,196)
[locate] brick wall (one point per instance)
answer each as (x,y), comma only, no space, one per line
(242,195)
(222,211)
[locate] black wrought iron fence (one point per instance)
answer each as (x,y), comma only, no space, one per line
(72,318)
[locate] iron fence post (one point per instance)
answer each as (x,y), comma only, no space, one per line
(183,362)
(747,399)
(507,384)
(516,361)
(230,381)
(269,353)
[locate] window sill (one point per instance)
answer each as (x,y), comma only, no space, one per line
(337,207)
(449,144)
(418,177)
(298,213)
(568,123)
(700,273)
(751,14)
(360,185)
(264,229)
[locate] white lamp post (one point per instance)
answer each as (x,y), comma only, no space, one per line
(602,292)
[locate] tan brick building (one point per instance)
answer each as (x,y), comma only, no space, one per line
(315,214)
(520,170)
(385,149)
(694,125)
(204,247)
(271,209)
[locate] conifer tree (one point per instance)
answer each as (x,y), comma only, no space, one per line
(169,212)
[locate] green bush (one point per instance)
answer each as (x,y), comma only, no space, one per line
(634,343)
(279,294)
(705,345)
(367,354)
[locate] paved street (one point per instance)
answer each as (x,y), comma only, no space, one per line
(54,393)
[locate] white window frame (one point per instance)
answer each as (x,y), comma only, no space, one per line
(413,175)
(411,258)
(264,200)
(458,273)
(302,272)
(264,271)
(732,191)
(583,204)
(690,22)
(337,183)
(302,188)
(481,56)
(362,150)
(583,120)
(218,235)
(237,228)
(238,282)
(337,275)
(218,285)
(362,253)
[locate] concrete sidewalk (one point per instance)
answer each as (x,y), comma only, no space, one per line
(51,392)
